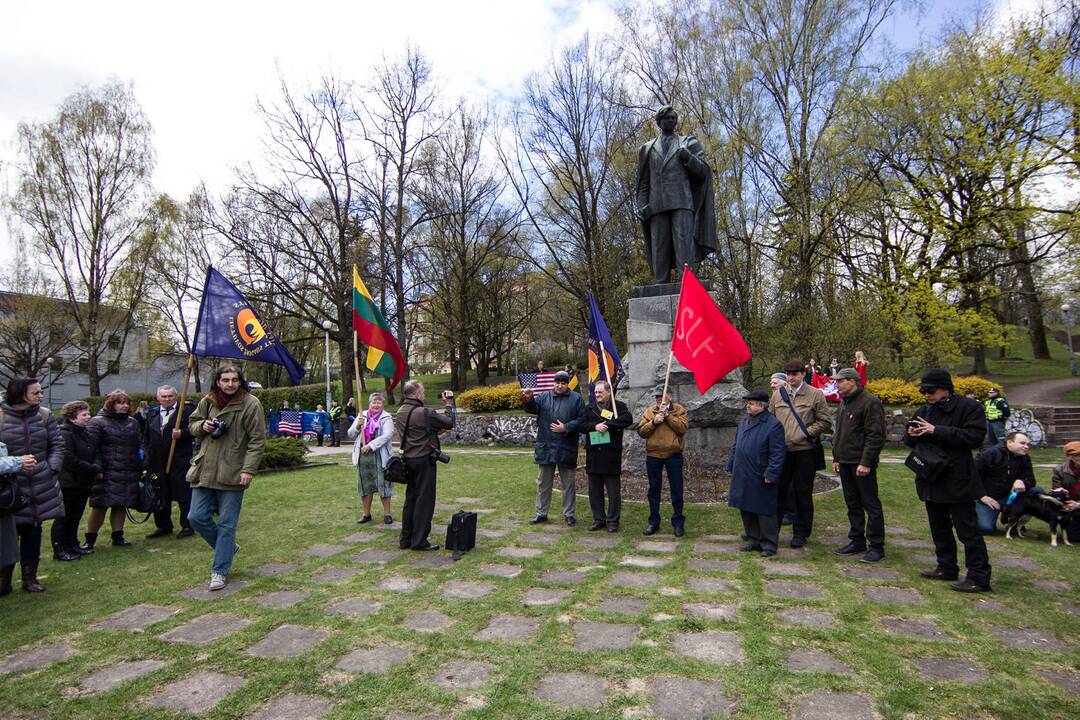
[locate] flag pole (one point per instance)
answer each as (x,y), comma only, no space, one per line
(667,374)
(607,377)
(179,411)
(356,370)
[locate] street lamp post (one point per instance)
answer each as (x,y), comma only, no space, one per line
(1068,336)
(327,325)
(50,362)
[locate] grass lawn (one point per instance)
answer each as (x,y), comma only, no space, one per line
(1018,366)
(288,512)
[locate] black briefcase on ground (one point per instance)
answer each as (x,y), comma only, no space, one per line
(461,533)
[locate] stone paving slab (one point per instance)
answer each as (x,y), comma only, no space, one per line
(897,530)
(463,674)
(716,646)
(500,570)
(1027,638)
(728,566)
(34,658)
(287,641)
(325,550)
(961,671)
(137,617)
(586,556)
(642,561)
(294,707)
(354,607)
(428,621)
(808,660)
(599,543)
(633,579)
(806,617)
(510,628)
(787,568)
(923,628)
(1065,679)
(373,660)
(203,592)
(711,611)
(657,546)
(563,577)
(375,556)
(793,589)
(198,693)
(715,548)
(828,705)
(399,583)
(678,698)
(359,537)
(519,552)
(489,533)
(1047,585)
(709,584)
(573,690)
(334,574)
(1071,609)
(467,589)
(885,595)
(622,605)
(868,572)
(273,569)
(589,635)
(110,677)
(539,538)
(930,560)
(988,605)
(912,543)
(1016,563)
(544,597)
(721,538)
(433,561)
(282,598)
(205,629)
(468,501)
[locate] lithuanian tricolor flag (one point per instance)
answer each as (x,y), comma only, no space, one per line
(384,355)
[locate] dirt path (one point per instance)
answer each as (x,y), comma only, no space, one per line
(1048,393)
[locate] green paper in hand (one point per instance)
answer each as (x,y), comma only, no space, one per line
(599,438)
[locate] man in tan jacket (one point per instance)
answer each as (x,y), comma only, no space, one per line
(802,436)
(663,426)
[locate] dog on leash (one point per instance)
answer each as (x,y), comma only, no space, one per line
(1043,506)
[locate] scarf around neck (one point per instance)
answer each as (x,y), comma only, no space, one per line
(220,399)
(371,426)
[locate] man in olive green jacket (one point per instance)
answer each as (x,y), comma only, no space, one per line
(856,446)
(231,431)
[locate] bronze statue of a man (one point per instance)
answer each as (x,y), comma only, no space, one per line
(675,199)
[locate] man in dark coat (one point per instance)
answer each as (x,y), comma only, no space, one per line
(161,428)
(755,462)
(603,424)
(953,426)
(857,440)
(1003,469)
(674,199)
(419,427)
(558,412)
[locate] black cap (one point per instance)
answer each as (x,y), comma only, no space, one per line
(562,376)
(936,378)
(759,395)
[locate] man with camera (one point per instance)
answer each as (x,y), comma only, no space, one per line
(229,426)
(558,412)
(942,434)
(420,447)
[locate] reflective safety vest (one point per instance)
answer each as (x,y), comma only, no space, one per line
(993,411)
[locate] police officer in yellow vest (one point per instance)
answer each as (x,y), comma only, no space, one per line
(997,412)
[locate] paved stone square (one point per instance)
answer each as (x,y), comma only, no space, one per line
(354,607)
(704,584)
(544,597)
(375,556)
(711,611)
(519,552)
(138,617)
(623,605)
(197,693)
(501,570)
(590,635)
(708,564)
(287,641)
(34,658)
(806,617)
(273,569)
(822,704)
(794,589)
(510,628)
(205,629)
(599,543)
(428,621)
(677,698)
(810,660)
(563,577)
(886,595)
(573,690)
(463,674)
(373,660)
(399,583)
(923,628)
(325,550)
(963,671)
(467,589)
(293,707)
(586,556)
(643,561)
(633,579)
(282,598)
(1027,638)
(715,646)
(334,574)
(113,676)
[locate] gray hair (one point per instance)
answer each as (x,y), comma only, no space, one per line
(377,395)
(412,388)
(605,383)
(166,388)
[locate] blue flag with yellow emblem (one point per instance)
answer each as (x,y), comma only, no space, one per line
(604,360)
(229,327)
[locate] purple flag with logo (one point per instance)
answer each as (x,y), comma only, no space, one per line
(229,327)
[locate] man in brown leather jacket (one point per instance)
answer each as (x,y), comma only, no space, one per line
(663,426)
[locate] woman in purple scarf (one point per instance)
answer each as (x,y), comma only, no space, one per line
(372,434)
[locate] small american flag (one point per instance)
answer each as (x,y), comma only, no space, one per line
(289,422)
(538,382)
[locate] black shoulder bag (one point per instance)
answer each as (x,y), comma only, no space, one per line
(819,451)
(395,466)
(928,461)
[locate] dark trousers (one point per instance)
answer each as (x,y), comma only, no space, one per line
(943,518)
(612,485)
(178,491)
(864,512)
(995,433)
(419,503)
(335,433)
(654,468)
(65,530)
(797,485)
(672,235)
(763,530)
(29,541)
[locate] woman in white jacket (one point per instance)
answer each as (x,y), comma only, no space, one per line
(372,434)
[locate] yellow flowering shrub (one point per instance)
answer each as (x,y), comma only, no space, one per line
(491,399)
(981,386)
(894,391)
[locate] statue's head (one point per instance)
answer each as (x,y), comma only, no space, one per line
(666,113)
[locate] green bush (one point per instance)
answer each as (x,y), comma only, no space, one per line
(306,396)
(491,399)
(894,391)
(980,386)
(96,401)
(283,452)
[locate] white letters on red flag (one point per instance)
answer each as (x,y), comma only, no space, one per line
(704,341)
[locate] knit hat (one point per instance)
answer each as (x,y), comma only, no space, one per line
(758,395)
(1072,448)
(848,374)
(936,378)
(779,376)
(659,390)
(562,376)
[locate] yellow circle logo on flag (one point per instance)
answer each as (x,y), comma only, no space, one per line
(248,327)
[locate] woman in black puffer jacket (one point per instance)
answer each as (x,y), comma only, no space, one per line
(118,447)
(29,429)
(76,478)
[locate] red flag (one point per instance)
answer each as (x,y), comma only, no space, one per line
(705,342)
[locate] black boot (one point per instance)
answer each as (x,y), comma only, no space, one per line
(5,579)
(78,549)
(61,553)
(91,538)
(118,539)
(29,577)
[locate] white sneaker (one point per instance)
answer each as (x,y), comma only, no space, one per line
(217,581)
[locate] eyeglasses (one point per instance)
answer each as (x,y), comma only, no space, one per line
(927,391)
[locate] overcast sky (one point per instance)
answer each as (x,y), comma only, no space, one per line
(198,67)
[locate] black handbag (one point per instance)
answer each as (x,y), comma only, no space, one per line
(395,470)
(928,462)
(461,533)
(12,498)
(149,500)
(819,449)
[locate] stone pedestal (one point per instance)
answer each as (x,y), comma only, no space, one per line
(713,416)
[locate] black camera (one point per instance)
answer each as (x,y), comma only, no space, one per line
(220,428)
(438,455)
(912,423)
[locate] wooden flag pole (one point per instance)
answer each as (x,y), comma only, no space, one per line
(667,375)
(356,370)
(179,411)
(607,377)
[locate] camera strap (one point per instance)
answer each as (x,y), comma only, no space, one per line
(799,420)
(405,432)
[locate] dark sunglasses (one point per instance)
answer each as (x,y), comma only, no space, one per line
(927,391)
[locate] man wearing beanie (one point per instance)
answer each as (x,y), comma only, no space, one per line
(558,413)
(942,433)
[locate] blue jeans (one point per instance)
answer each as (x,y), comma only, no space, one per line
(987,518)
(653,468)
(220,535)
